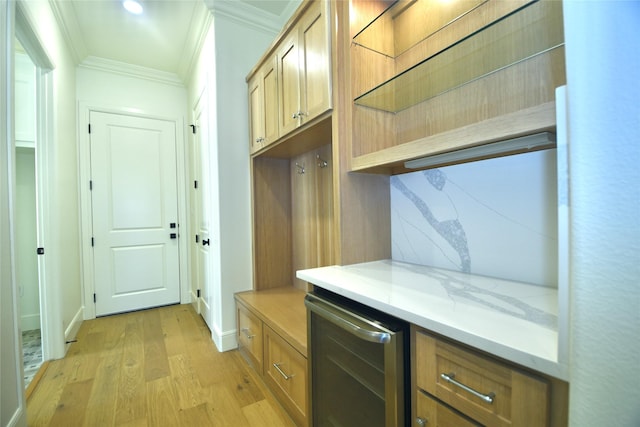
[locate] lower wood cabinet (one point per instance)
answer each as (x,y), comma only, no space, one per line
(285,372)
(272,336)
(484,389)
(431,413)
(250,337)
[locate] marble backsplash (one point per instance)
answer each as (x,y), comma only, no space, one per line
(495,217)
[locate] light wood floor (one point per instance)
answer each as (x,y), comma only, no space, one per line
(156,367)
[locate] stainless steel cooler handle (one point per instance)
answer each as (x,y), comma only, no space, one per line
(347,321)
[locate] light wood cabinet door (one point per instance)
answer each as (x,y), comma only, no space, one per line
(250,337)
(285,372)
(490,392)
(263,106)
(315,63)
(431,413)
(269,75)
(289,84)
(304,69)
(256,115)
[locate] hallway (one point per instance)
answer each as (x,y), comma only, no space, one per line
(156,367)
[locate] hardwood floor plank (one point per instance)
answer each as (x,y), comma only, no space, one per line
(72,406)
(261,413)
(162,403)
(105,380)
(101,406)
(156,364)
(43,401)
(174,340)
(197,416)
(131,398)
(185,382)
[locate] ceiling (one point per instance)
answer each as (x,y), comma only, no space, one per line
(165,37)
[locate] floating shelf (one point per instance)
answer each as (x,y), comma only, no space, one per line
(532,30)
(394,32)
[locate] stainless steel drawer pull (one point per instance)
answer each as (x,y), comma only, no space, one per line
(450,378)
(285,376)
(246,333)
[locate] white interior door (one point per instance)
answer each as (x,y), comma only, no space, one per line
(202,207)
(134,209)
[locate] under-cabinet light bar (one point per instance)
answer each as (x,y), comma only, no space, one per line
(521,144)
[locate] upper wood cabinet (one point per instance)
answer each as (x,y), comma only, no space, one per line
(304,69)
(263,106)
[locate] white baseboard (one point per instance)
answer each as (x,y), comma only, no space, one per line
(224,341)
(73,328)
(29,322)
(19,418)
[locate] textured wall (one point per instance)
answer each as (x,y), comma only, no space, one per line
(604,117)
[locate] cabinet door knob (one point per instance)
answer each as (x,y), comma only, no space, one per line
(421,422)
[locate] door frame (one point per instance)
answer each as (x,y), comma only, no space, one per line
(84,176)
(52,331)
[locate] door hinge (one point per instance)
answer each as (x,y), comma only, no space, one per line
(198,293)
(195,184)
(40,251)
(197,238)
(92,242)
(90,185)
(89,126)
(193,128)
(94,298)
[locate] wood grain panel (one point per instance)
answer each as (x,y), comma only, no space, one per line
(524,122)
(272,223)
(363,12)
(468,24)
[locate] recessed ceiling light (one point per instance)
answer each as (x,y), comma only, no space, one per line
(132,6)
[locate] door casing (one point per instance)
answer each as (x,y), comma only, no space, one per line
(84,172)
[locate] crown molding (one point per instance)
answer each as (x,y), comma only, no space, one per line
(247,15)
(130,70)
(198,30)
(67,20)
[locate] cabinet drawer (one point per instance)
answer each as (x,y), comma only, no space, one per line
(484,389)
(250,337)
(431,413)
(285,372)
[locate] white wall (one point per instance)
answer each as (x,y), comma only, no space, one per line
(603,60)
(231,49)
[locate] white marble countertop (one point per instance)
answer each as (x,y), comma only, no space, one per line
(512,320)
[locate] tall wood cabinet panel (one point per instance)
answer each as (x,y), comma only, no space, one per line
(271,223)
(312,210)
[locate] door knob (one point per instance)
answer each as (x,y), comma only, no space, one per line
(205,242)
